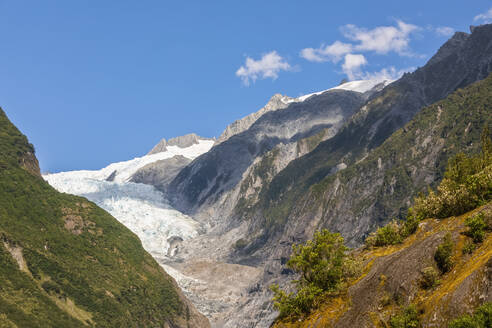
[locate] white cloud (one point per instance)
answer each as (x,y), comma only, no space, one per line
(486,17)
(381,39)
(444,31)
(352,65)
(268,66)
(333,52)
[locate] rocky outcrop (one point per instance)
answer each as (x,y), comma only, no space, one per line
(202,183)
(161,172)
(276,102)
(183,142)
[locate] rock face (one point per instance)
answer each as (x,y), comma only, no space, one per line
(215,173)
(463,60)
(182,142)
(276,102)
(160,173)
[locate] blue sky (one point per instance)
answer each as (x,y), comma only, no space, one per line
(94,82)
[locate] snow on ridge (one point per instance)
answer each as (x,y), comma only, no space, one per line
(125,170)
(357,86)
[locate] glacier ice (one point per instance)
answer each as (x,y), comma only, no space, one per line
(142,208)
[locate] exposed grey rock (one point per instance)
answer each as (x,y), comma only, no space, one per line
(202,183)
(276,102)
(161,172)
(183,142)
(159,148)
(111,176)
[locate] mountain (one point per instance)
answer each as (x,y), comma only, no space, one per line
(465,58)
(159,172)
(432,270)
(204,182)
(67,263)
(185,141)
(279,101)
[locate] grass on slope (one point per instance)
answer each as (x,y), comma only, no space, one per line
(83,267)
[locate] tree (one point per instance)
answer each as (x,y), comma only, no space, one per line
(320,261)
(322,265)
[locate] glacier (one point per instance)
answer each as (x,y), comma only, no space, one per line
(142,208)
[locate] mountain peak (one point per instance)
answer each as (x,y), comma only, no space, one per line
(184,141)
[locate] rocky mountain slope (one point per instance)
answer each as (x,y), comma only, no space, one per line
(464,59)
(432,270)
(393,278)
(185,141)
(202,183)
(64,262)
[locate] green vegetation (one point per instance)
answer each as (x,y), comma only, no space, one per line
(444,253)
(387,235)
(240,244)
(469,247)
(430,278)
(476,227)
(481,318)
(98,276)
(408,318)
(466,186)
(323,266)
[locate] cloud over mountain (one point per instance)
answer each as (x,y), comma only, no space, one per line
(268,66)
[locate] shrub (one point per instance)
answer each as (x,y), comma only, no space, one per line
(320,261)
(430,278)
(408,318)
(390,234)
(476,227)
(51,287)
(410,225)
(443,254)
(240,244)
(467,184)
(323,266)
(393,233)
(481,318)
(469,247)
